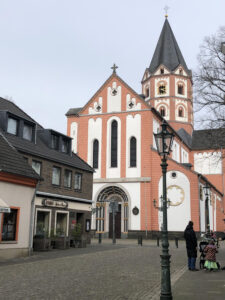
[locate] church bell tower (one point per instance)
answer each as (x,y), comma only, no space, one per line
(167,83)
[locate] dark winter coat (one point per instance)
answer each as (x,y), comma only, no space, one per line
(191,241)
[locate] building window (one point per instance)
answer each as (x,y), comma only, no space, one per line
(100,217)
(61,223)
(65,145)
(162,111)
(36,165)
(43,222)
(180,89)
(78,182)
(201,193)
(56,172)
(67,178)
(54,141)
(180,71)
(133,152)
(10,225)
(162,89)
(161,71)
(95,154)
(12,126)
(147,92)
(125,219)
(180,112)
(114,144)
(27,132)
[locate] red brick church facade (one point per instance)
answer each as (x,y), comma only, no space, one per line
(114,131)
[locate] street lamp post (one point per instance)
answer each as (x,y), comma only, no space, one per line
(164,141)
(206,189)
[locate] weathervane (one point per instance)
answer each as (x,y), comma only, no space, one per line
(166,8)
(114,67)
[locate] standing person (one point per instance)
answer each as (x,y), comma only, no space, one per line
(210,258)
(191,245)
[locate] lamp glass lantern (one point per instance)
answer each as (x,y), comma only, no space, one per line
(164,140)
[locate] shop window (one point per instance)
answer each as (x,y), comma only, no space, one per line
(100,217)
(133,152)
(162,111)
(67,178)
(54,141)
(56,172)
(162,89)
(147,92)
(12,126)
(78,182)
(125,217)
(10,225)
(180,112)
(114,128)
(36,165)
(43,223)
(180,89)
(61,223)
(65,145)
(95,154)
(27,132)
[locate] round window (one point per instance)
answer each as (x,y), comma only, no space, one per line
(173,174)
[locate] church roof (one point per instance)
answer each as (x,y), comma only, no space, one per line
(167,51)
(185,136)
(73,111)
(208,139)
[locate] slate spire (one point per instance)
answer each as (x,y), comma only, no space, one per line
(167,51)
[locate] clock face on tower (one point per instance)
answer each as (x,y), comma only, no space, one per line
(175,194)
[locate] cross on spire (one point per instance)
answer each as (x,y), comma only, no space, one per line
(166,8)
(114,67)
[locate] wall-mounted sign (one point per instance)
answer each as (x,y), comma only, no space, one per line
(135,210)
(55,203)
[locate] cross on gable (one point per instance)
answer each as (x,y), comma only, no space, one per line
(114,67)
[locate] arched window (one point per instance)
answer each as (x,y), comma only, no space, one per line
(180,112)
(180,89)
(180,71)
(161,71)
(95,154)
(162,89)
(114,128)
(147,92)
(162,111)
(133,152)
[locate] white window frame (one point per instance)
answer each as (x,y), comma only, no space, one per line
(67,223)
(50,219)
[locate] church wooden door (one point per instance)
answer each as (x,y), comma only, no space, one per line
(117,224)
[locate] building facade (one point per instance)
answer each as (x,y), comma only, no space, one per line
(115,130)
(63,196)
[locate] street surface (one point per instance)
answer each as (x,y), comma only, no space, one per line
(122,271)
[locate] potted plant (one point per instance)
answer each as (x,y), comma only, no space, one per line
(61,241)
(42,241)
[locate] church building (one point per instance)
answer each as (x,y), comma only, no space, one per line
(114,133)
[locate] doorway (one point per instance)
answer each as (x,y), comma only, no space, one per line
(117,224)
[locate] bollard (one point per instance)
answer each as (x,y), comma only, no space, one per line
(99,238)
(176,241)
(140,240)
(157,241)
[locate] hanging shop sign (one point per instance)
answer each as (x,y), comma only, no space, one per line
(135,211)
(55,203)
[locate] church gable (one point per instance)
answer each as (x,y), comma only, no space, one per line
(114,96)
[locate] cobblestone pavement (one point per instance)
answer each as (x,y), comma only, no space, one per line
(122,271)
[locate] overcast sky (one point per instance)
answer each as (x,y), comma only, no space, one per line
(55,54)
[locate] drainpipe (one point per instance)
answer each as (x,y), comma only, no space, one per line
(31,230)
(199,207)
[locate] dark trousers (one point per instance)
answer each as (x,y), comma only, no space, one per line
(191,263)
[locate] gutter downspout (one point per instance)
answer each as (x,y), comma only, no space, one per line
(199,206)
(31,230)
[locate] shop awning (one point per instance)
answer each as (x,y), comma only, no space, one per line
(4,207)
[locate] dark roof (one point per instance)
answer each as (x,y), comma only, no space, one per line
(40,149)
(208,139)
(13,162)
(167,51)
(10,106)
(185,136)
(73,111)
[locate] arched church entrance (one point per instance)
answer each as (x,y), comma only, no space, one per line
(104,214)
